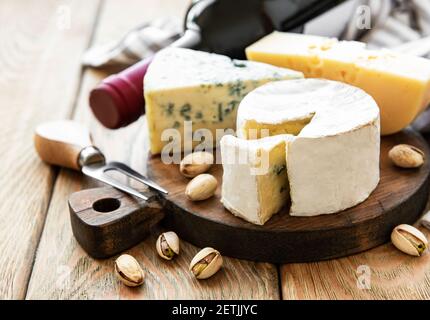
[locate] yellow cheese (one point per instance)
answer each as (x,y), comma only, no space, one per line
(399,83)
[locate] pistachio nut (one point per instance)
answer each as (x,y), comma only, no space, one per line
(409,240)
(206,263)
(167,245)
(406,156)
(129,271)
(196,163)
(201,187)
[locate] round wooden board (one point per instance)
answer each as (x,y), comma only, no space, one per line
(400,197)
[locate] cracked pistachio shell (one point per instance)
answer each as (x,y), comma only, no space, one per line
(196,163)
(129,271)
(167,245)
(206,263)
(409,240)
(406,156)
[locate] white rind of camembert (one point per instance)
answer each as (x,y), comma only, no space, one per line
(333,161)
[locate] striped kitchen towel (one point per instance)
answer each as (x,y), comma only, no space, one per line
(138,43)
(401,25)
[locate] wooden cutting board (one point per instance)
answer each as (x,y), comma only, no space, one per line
(399,198)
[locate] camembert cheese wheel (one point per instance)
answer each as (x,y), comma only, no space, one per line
(332,161)
(399,83)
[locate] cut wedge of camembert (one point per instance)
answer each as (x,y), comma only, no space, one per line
(255,182)
(333,160)
(188,85)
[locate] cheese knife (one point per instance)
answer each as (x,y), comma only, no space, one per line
(68,144)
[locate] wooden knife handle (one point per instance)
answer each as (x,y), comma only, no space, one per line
(60,142)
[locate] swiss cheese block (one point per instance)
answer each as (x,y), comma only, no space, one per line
(187,85)
(333,160)
(399,83)
(255,183)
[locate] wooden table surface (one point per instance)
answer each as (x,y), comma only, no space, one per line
(41,78)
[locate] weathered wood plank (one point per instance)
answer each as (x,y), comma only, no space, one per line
(63,271)
(39,51)
(380,273)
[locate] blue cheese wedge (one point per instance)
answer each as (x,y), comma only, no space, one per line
(255,182)
(188,85)
(333,160)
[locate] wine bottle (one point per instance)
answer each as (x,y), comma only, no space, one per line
(220,26)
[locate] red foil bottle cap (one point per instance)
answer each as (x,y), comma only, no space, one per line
(118,100)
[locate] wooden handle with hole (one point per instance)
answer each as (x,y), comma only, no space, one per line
(106,221)
(60,142)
